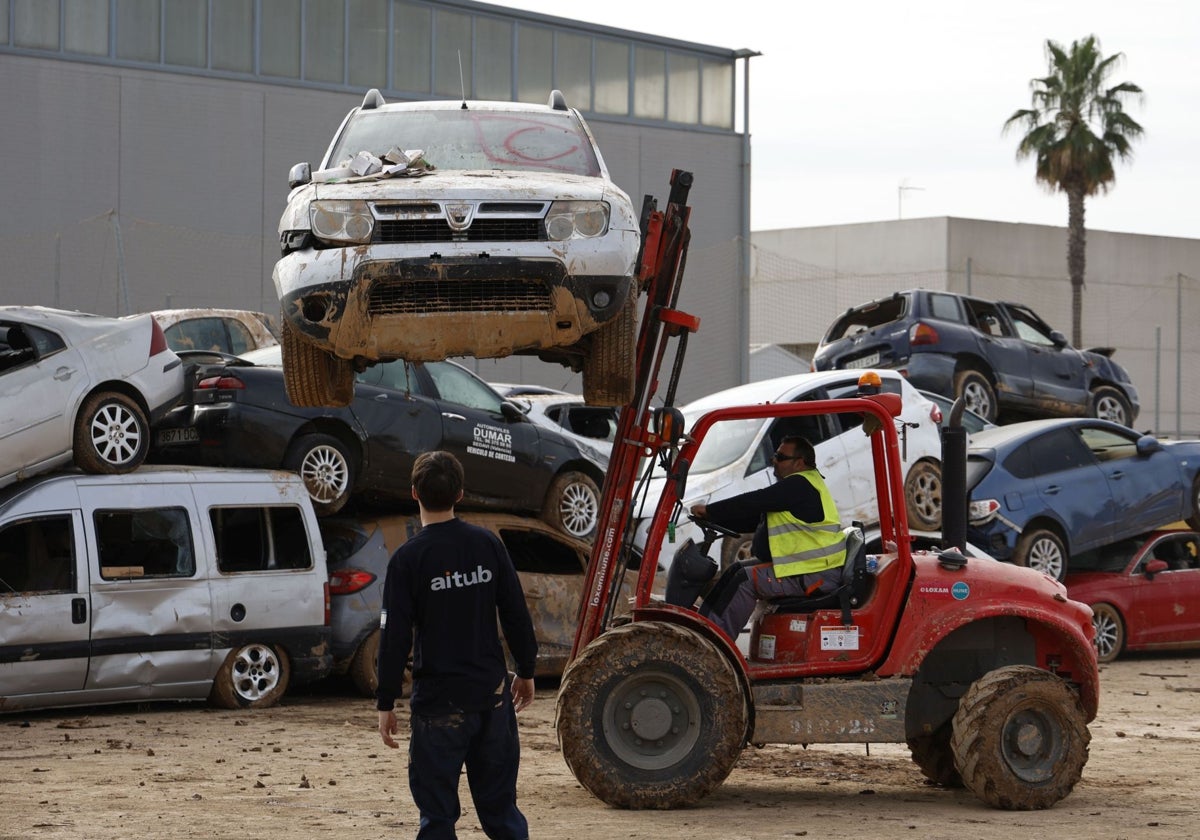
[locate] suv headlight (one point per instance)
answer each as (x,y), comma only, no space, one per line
(576,220)
(342,221)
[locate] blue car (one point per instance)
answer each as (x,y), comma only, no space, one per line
(1044,490)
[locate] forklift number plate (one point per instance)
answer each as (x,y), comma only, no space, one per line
(839,638)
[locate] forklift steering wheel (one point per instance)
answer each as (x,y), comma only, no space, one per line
(712,530)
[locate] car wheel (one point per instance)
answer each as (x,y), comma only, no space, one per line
(977,392)
(651,715)
(362,667)
(313,377)
(252,677)
(734,549)
(1110,632)
(573,504)
(1043,550)
(1020,738)
(111,434)
(325,466)
(923,496)
(608,367)
(1108,403)
(1193,518)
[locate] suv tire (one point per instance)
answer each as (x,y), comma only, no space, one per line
(608,367)
(314,377)
(978,393)
(1108,403)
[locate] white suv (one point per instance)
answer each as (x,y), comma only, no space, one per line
(736,455)
(436,229)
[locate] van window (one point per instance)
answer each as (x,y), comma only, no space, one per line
(258,539)
(37,555)
(152,542)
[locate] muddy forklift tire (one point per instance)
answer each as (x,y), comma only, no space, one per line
(609,366)
(651,715)
(253,676)
(313,377)
(1020,738)
(933,756)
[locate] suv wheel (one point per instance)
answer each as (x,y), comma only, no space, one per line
(1108,403)
(313,377)
(608,367)
(978,393)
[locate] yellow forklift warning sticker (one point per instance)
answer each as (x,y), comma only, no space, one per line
(839,638)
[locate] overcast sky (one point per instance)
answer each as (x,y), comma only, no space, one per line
(851,101)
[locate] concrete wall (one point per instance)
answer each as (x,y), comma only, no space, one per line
(132,190)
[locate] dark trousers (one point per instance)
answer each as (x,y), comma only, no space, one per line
(487,743)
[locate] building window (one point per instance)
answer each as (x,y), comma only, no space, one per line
(535,63)
(612,77)
(86,29)
(35,24)
(186,32)
(138,27)
(368,44)
(573,69)
(411,47)
(325,40)
(683,89)
(649,83)
(493,59)
(280,51)
(716,93)
(233,35)
(452,55)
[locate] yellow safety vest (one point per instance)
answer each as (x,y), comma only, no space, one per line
(801,548)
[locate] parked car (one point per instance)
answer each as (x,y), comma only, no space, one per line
(736,457)
(82,388)
(163,584)
(513,389)
(1044,491)
(587,425)
(233,331)
(971,421)
(1000,357)
(497,231)
(550,564)
(237,414)
(1144,592)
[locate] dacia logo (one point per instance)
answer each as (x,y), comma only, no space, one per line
(458,216)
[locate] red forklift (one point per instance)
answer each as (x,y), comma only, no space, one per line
(984,669)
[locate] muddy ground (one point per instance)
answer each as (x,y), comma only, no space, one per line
(314,767)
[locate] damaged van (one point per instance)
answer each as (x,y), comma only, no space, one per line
(167,583)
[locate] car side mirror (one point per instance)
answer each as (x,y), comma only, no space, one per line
(299,175)
(1155,566)
(1058,338)
(1147,444)
(511,413)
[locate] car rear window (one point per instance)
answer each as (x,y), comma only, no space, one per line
(868,317)
(473,140)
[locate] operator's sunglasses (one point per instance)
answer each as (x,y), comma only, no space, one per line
(780,456)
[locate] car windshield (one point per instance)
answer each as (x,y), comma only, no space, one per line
(725,442)
(474,140)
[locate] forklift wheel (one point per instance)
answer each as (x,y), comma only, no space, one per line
(651,715)
(932,754)
(1020,738)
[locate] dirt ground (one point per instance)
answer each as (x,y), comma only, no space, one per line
(315,767)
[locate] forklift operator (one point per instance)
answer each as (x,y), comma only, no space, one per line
(798,549)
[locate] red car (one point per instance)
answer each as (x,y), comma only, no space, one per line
(1144,592)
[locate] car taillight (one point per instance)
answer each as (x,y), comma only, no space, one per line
(935,414)
(920,333)
(349,581)
(982,511)
(222,383)
(158,341)
(328,607)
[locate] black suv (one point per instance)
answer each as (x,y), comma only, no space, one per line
(1000,357)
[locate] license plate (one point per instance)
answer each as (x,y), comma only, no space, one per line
(869,360)
(166,437)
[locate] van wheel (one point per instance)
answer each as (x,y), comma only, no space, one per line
(252,677)
(112,434)
(313,377)
(923,496)
(573,504)
(977,392)
(328,473)
(608,367)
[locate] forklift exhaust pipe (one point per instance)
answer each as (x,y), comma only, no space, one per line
(954,479)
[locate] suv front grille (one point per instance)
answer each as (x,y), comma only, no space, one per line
(437,230)
(407,297)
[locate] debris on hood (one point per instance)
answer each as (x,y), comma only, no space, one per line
(366,166)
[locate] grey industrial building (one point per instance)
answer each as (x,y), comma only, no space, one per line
(146,143)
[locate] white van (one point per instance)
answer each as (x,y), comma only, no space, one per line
(167,583)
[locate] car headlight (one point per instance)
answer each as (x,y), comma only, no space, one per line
(342,221)
(576,220)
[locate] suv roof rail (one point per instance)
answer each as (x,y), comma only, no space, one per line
(373,100)
(557,101)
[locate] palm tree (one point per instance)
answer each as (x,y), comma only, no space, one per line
(1074,129)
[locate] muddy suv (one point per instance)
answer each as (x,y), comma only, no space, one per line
(436,229)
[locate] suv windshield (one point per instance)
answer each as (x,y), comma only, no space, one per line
(474,140)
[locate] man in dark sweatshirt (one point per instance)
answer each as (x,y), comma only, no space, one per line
(444,589)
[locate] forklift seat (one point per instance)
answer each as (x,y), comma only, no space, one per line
(850,594)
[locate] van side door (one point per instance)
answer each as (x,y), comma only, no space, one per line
(151,606)
(44,605)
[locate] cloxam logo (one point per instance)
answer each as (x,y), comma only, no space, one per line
(457,580)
